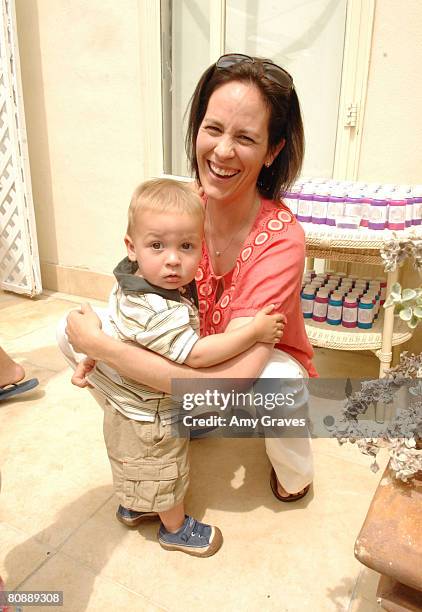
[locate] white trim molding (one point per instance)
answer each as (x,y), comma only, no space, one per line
(357,52)
(150,79)
(217,29)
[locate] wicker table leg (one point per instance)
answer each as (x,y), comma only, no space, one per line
(385,354)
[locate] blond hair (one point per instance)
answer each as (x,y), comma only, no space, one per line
(164,196)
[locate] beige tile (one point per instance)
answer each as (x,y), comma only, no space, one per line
(8,299)
(83,590)
(361,604)
(54,465)
(75,299)
(350,452)
(31,315)
(38,348)
(367,584)
(20,555)
(271,553)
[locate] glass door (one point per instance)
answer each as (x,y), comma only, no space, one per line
(307,38)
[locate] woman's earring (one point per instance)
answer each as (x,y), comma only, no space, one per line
(267,164)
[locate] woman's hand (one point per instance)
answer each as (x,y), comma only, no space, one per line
(83,330)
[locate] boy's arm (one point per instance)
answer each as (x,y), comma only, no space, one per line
(218,348)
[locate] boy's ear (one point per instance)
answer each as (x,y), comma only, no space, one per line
(130,247)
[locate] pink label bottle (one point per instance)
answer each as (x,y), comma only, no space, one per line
(320,306)
(397,211)
(350,311)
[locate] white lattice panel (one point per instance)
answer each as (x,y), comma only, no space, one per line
(19,262)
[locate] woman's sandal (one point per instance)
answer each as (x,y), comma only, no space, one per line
(292,497)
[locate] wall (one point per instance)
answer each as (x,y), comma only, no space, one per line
(392,129)
(391,149)
(82,95)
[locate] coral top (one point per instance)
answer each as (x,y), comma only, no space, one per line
(268,270)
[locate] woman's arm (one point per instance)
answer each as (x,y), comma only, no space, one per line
(85,334)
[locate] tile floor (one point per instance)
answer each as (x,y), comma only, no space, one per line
(57,525)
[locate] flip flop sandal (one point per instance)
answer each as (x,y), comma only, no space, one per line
(292,497)
(11,390)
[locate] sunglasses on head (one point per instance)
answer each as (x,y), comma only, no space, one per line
(272,71)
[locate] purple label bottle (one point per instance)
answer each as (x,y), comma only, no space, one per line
(335,206)
(319,205)
(290,199)
(378,214)
(304,204)
(417,204)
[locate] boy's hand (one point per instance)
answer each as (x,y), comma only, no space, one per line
(82,370)
(268,327)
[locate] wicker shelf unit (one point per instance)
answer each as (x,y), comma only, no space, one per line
(355,246)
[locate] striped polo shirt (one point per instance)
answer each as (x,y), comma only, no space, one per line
(161,320)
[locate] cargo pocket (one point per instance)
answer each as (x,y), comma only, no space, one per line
(149,485)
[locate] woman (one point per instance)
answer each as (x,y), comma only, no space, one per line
(245,144)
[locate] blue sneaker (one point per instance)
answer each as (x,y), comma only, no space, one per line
(133,518)
(193,538)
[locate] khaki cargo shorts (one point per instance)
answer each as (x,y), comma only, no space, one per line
(150,466)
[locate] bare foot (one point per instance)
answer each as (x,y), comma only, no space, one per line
(283,493)
(10,371)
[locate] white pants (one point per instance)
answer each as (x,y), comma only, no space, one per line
(291,457)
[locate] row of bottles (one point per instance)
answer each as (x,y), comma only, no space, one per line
(338,299)
(352,204)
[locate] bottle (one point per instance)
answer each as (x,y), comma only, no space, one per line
(378,209)
(307,301)
(361,285)
(320,305)
(397,210)
(383,292)
(335,307)
(374,285)
(353,202)
(320,204)
(366,204)
(304,203)
(407,192)
(345,288)
(331,285)
(365,312)
(335,206)
(350,311)
(291,197)
(417,204)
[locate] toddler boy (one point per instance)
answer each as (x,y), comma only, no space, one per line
(151,305)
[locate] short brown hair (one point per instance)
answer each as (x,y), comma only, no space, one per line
(285,122)
(165,195)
